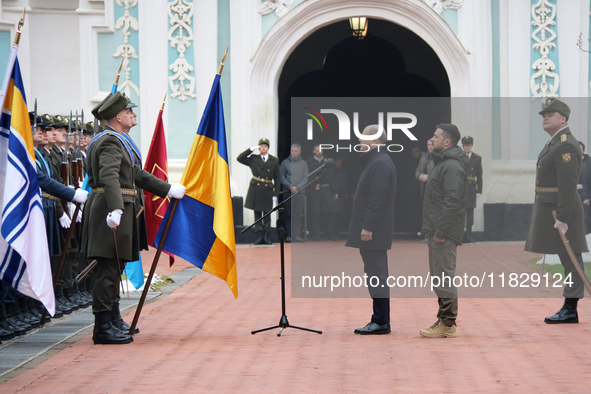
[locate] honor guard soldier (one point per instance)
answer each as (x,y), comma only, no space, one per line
(557,174)
(110,233)
(474,184)
(264,186)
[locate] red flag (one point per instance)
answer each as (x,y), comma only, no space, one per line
(156,164)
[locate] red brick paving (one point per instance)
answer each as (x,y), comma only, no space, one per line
(198,339)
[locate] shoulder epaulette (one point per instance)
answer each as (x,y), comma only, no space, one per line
(563,138)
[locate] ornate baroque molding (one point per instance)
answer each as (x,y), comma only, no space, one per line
(181,13)
(125,50)
(281,7)
(440,5)
(543,17)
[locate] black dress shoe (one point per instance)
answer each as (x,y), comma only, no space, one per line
(566,314)
(373,329)
(288,239)
(298,239)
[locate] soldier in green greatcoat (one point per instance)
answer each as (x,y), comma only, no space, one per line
(109,215)
(557,174)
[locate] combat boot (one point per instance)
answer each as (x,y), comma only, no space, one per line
(440,330)
(105,334)
(259,240)
(118,322)
(266,240)
(566,314)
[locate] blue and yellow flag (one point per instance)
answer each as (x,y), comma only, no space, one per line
(24,253)
(202,229)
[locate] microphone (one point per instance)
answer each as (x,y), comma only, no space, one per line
(327,164)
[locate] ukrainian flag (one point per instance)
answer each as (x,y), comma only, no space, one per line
(24,253)
(202,229)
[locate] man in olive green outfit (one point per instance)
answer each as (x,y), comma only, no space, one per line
(557,174)
(109,215)
(444,215)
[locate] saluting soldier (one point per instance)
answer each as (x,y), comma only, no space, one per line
(264,186)
(110,232)
(557,174)
(474,184)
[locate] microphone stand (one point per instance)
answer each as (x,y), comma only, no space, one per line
(283,322)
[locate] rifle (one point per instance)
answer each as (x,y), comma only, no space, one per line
(80,167)
(65,170)
(75,175)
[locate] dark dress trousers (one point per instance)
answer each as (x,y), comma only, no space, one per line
(373,210)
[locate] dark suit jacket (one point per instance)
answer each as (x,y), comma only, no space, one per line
(373,205)
(559,167)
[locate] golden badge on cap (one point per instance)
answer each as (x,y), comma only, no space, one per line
(47,117)
(549,101)
(566,157)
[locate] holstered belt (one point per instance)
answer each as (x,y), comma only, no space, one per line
(47,195)
(546,189)
(471,178)
(129,192)
(256,178)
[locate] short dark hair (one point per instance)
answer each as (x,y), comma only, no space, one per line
(451,132)
(583,145)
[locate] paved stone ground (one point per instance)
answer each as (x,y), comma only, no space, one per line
(197,339)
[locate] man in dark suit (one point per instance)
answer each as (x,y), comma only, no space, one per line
(314,192)
(557,174)
(110,212)
(264,188)
(474,184)
(372,224)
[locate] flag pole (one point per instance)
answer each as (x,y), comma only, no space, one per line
(164,101)
(153,268)
(163,238)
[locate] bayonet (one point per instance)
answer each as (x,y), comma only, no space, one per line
(34,125)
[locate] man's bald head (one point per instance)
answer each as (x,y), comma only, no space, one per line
(375,129)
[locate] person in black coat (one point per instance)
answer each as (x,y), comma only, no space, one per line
(265,185)
(372,224)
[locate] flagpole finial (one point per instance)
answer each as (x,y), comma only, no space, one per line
(19,29)
(164,100)
(223,60)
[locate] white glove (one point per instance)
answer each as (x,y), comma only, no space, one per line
(65,221)
(579,186)
(274,200)
(256,147)
(73,209)
(177,191)
(478,195)
(114,218)
(562,226)
(80,196)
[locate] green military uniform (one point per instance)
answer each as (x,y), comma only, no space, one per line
(265,183)
(557,174)
(474,186)
(113,177)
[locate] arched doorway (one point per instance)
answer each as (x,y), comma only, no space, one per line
(261,119)
(391,61)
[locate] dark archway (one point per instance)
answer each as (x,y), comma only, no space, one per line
(391,61)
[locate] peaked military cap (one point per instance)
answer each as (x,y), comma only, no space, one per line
(48,120)
(95,110)
(467,140)
(40,121)
(88,128)
(59,121)
(555,105)
(115,104)
(264,141)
